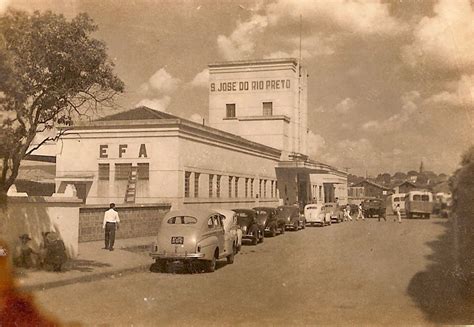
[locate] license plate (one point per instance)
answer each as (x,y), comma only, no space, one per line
(177,239)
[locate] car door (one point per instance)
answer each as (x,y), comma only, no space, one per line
(219,233)
(229,235)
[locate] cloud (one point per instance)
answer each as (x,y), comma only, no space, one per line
(162,82)
(367,18)
(282,16)
(461,95)
(396,121)
(201,79)
(444,40)
(241,43)
(345,105)
(315,144)
(159,104)
(4,5)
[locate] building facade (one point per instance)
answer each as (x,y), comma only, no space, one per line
(252,153)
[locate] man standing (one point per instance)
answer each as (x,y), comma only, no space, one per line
(360,214)
(111,222)
(399,214)
(347,213)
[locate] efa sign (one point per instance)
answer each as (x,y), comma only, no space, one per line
(252,85)
(122,151)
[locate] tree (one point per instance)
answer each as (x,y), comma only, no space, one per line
(52,71)
(462,187)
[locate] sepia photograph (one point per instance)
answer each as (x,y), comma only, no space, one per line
(236,162)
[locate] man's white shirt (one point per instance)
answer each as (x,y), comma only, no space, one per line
(111,216)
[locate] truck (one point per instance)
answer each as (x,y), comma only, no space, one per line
(373,207)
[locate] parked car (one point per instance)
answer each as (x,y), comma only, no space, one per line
(419,203)
(192,237)
(231,227)
(336,212)
(273,224)
(327,212)
(373,207)
(312,213)
(247,220)
(291,216)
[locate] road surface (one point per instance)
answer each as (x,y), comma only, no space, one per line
(360,272)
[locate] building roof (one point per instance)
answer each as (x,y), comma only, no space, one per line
(373,184)
(146,117)
(254,62)
(408,183)
(139,113)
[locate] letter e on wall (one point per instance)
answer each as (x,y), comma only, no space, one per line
(103,151)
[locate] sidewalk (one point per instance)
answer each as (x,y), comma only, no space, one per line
(92,263)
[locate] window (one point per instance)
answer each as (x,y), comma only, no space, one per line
(218,186)
(143,171)
(271,188)
(264,188)
(104,172)
(230,186)
(417,197)
(182,220)
(236,183)
(230,110)
(122,171)
(320,192)
(268,108)
(187,176)
(251,187)
(196,184)
(425,197)
(260,188)
(211,182)
(246,187)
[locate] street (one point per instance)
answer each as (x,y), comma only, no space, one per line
(359,272)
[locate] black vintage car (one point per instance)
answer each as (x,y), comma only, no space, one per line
(273,224)
(291,216)
(252,230)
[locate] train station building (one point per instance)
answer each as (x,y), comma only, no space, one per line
(253,151)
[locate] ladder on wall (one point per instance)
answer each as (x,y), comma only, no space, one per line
(131,191)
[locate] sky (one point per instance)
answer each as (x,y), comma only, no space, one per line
(391,83)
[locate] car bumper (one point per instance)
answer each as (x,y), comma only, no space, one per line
(177,256)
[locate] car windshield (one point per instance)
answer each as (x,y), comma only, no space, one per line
(312,207)
(182,220)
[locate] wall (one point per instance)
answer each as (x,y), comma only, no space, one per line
(135,220)
(280,82)
(34,215)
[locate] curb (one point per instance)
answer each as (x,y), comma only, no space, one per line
(83,279)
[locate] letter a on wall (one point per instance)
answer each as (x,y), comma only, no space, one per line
(142,151)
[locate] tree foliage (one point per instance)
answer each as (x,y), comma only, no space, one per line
(52,70)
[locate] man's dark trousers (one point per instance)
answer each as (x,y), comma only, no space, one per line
(109,235)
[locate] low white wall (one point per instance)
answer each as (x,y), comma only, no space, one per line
(35,215)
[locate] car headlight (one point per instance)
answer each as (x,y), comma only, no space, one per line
(244,228)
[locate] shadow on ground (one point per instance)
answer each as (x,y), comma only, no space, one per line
(438,290)
(83,265)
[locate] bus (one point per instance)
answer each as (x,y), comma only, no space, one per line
(419,203)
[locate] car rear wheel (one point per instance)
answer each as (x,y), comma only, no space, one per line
(211,264)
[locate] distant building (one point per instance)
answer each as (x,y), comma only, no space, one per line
(374,190)
(405,187)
